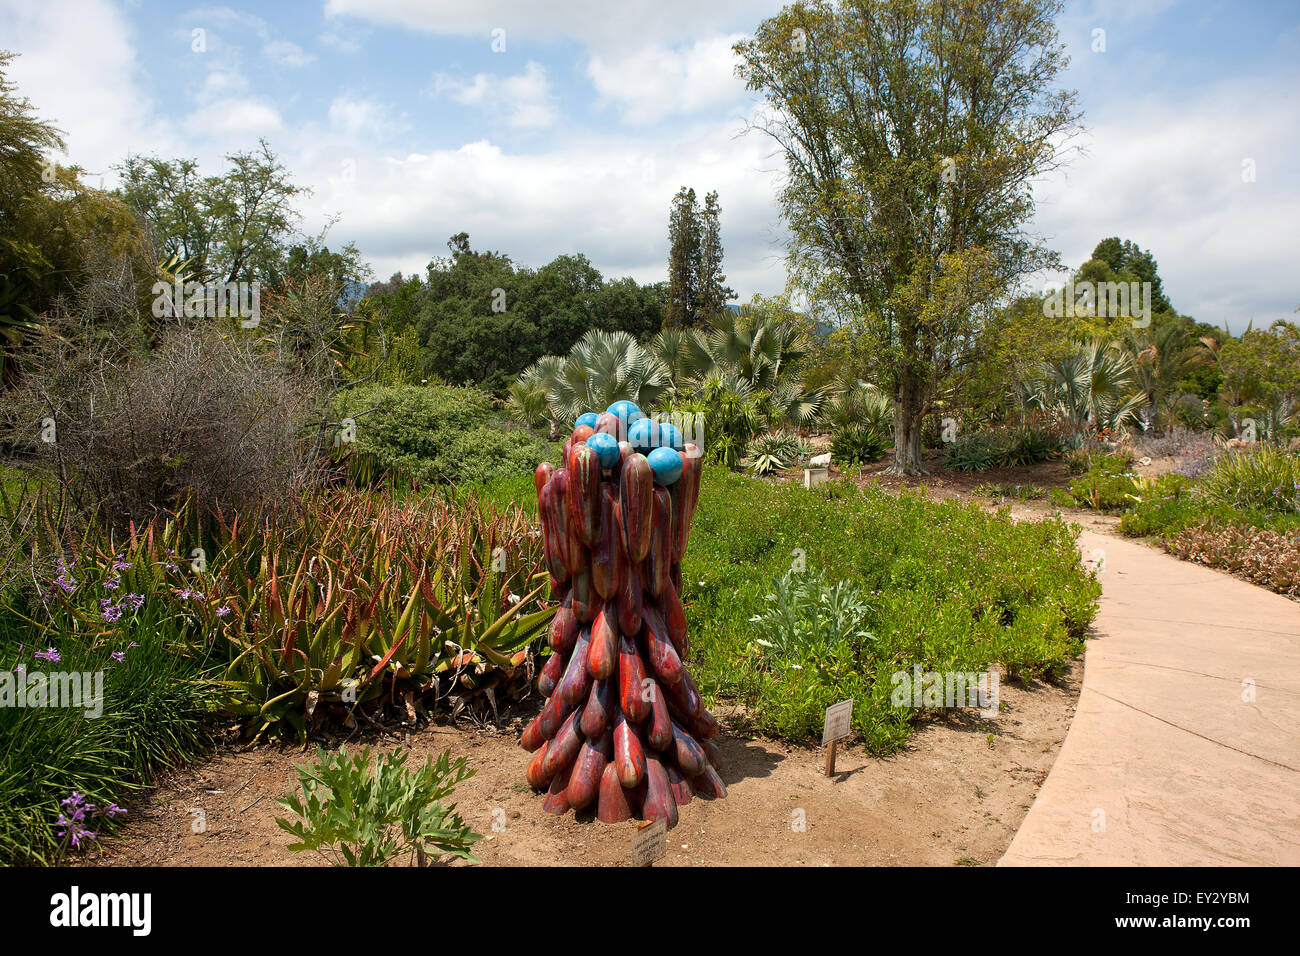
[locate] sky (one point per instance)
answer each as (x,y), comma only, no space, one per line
(544,128)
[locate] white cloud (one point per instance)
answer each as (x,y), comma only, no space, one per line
(249,118)
(78,67)
(597,23)
(287,54)
(1168,175)
(343,44)
(522,101)
(655,81)
(607,197)
(364,118)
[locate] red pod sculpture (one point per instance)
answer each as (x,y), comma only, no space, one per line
(623,728)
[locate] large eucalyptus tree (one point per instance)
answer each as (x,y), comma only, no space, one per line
(911,130)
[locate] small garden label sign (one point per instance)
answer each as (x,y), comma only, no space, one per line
(838,717)
(650,843)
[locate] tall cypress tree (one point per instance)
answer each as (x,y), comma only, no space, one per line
(712,294)
(683,260)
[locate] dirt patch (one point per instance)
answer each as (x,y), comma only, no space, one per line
(955,795)
(943,483)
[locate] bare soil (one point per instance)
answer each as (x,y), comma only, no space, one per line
(955,795)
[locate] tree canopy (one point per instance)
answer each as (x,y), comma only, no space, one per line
(911,131)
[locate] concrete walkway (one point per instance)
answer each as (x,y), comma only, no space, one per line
(1165,763)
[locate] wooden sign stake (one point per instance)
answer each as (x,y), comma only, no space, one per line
(838,721)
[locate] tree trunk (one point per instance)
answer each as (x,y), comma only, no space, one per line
(908,412)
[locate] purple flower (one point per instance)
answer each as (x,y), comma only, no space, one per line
(223,611)
(119,564)
(191,595)
(118,656)
(113,810)
(133,602)
(112,582)
(48,655)
(109,611)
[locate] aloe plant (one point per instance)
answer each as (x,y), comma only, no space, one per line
(378,601)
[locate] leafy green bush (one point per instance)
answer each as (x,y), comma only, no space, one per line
(1160,504)
(1107,486)
(353,816)
(806,619)
(858,444)
(438,434)
(947,585)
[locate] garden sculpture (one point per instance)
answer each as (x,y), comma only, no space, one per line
(623,727)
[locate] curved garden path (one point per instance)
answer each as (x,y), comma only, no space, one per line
(1171,759)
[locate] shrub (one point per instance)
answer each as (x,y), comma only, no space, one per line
(1266,478)
(1262,555)
(1159,504)
(437,434)
(355,816)
(945,585)
(204,415)
(806,619)
(1107,486)
(858,444)
(1003,448)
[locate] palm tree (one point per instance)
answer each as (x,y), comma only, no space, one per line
(600,369)
(1161,358)
(1093,389)
(682,358)
(759,348)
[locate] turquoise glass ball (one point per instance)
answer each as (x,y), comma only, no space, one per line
(666,465)
(670,436)
(587,418)
(626,411)
(606,449)
(643,435)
